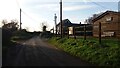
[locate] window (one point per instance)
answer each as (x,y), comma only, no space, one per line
(95,27)
(108,19)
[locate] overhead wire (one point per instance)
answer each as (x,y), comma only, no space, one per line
(99,5)
(18,4)
(31,18)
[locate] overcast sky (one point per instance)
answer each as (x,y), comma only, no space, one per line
(35,12)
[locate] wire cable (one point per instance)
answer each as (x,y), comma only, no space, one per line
(25,12)
(99,5)
(17,2)
(28,16)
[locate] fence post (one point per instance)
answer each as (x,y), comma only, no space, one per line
(100,33)
(74,32)
(68,32)
(85,32)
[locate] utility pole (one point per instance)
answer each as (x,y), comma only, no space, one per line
(61,18)
(56,23)
(53,30)
(20,19)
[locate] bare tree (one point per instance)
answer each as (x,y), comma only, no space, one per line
(89,20)
(4,22)
(27,28)
(44,26)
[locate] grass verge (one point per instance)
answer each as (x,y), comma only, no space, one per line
(106,54)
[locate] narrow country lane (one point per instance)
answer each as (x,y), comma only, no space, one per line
(35,52)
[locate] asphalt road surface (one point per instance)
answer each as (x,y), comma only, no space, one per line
(35,52)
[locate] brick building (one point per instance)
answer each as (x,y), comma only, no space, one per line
(110,24)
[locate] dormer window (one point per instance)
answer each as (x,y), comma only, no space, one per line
(108,19)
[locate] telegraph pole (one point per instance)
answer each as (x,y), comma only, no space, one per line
(56,23)
(61,18)
(53,30)
(20,19)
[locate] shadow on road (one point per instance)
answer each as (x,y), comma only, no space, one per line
(35,52)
